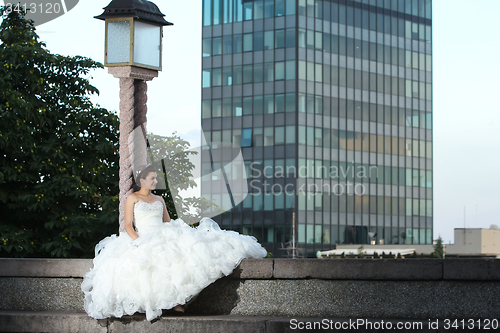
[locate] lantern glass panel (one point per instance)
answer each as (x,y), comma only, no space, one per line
(118,43)
(147,39)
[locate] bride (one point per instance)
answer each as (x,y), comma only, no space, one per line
(159,264)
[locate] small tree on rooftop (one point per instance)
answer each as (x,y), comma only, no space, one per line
(439,248)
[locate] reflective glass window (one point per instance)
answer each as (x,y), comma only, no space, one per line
(302,103)
(279,137)
(247,73)
(258,139)
(216,76)
(290,37)
(269,8)
(217,46)
(228,11)
(290,70)
(290,102)
(268,204)
(290,7)
(268,136)
(302,70)
(279,8)
(206,78)
(237,139)
(247,42)
(258,104)
(237,107)
(258,41)
(247,10)
(279,38)
(290,134)
(247,106)
(310,8)
(207,47)
(206,107)
(227,77)
(268,71)
(237,75)
(268,40)
(237,43)
(216,111)
(258,9)
(226,110)
(279,103)
(302,7)
(318,41)
(302,37)
(310,39)
(302,135)
(217,12)
(207,12)
(258,73)
(268,104)
(279,70)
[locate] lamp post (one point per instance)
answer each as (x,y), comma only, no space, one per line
(133,49)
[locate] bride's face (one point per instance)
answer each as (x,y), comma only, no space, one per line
(150,181)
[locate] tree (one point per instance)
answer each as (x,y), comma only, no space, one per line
(173,154)
(59,166)
(439,248)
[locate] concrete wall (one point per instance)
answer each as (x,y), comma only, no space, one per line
(335,288)
(475,241)
(491,241)
(466,241)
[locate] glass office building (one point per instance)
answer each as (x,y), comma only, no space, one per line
(331,103)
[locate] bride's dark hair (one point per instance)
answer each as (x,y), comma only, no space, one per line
(142,173)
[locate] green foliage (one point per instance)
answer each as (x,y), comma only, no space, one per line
(59,166)
(174,155)
(439,248)
(342,255)
(361,254)
(376,255)
(269,255)
(399,256)
(388,255)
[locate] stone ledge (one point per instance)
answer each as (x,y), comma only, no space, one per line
(44,267)
(254,269)
(289,298)
(67,322)
(49,321)
(329,269)
(471,269)
(359,269)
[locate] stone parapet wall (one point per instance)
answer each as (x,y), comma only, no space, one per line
(339,288)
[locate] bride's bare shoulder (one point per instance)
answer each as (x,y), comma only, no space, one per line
(132,197)
(158,197)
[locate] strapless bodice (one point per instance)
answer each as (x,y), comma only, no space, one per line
(148,216)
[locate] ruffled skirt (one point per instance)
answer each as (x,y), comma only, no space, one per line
(164,267)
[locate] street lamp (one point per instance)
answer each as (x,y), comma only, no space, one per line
(133,52)
(133,34)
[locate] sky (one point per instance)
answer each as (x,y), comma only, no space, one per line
(466,111)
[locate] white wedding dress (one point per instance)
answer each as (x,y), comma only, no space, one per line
(167,265)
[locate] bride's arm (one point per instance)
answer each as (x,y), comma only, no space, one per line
(166,217)
(129,217)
